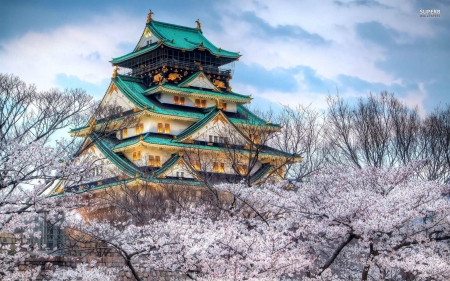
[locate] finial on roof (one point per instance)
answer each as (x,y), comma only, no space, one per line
(199,25)
(115,72)
(149,16)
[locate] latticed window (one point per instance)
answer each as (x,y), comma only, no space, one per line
(224,106)
(197,102)
(216,167)
(139,128)
(203,104)
(160,127)
(182,102)
(136,155)
(167,128)
(158,161)
(125,133)
(222,168)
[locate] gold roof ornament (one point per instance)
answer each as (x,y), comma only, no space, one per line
(149,16)
(116,69)
(199,25)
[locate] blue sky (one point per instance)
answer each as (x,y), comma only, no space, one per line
(293,51)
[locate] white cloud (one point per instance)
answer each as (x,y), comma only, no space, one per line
(82,51)
(347,54)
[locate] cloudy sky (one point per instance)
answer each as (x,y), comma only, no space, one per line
(293,51)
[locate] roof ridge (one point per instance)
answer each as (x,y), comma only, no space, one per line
(175,25)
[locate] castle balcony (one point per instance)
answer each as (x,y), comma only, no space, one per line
(144,69)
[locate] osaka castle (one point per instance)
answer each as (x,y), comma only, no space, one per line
(174,118)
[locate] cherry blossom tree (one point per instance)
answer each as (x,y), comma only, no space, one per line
(30,162)
(370,223)
(344,223)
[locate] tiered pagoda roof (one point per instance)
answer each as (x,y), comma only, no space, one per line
(174,60)
(178,37)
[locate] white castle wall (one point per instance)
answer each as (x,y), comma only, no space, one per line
(151,125)
(190,101)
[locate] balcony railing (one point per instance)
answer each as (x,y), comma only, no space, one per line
(145,68)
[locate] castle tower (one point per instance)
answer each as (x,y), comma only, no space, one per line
(189,124)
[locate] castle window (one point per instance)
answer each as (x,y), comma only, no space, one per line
(139,128)
(216,167)
(154,161)
(224,106)
(160,127)
(215,139)
(136,155)
(167,128)
(219,167)
(125,133)
(182,174)
(197,165)
(151,160)
(242,169)
(210,138)
(200,103)
(254,138)
(178,100)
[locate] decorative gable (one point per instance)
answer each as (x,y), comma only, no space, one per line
(215,127)
(147,39)
(114,97)
(199,80)
(176,167)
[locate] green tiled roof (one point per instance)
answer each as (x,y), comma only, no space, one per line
(169,141)
(127,181)
(223,96)
(265,168)
(105,146)
(249,118)
(198,125)
(169,163)
(178,37)
(133,89)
